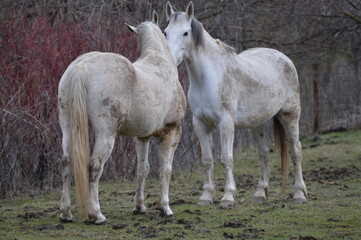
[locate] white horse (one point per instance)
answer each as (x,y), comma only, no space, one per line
(117,97)
(229,91)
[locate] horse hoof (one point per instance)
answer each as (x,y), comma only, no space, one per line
(139,212)
(166,214)
(258,199)
(205,202)
(100,222)
(226,204)
(299,200)
(66,218)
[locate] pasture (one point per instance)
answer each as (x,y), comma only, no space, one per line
(332,164)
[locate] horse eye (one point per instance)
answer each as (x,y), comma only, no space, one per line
(165,34)
(185,34)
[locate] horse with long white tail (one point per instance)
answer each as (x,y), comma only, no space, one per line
(229,91)
(116,97)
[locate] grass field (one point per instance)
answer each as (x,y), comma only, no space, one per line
(332,165)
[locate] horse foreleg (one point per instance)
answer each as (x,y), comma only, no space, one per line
(205,140)
(263,154)
(142,146)
(226,128)
(102,150)
(168,146)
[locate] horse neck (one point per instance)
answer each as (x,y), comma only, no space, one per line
(152,46)
(202,57)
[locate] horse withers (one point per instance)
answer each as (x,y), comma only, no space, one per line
(229,91)
(115,97)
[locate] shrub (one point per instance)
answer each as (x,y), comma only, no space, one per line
(36,52)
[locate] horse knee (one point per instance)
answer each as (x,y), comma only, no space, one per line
(227,161)
(143,168)
(95,168)
(167,170)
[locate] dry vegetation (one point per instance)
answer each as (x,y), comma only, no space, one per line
(39,39)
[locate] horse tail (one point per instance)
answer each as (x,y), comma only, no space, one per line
(280,140)
(79,134)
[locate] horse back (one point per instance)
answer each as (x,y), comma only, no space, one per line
(269,65)
(264,81)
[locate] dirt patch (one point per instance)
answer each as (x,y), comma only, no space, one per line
(51,210)
(51,227)
(31,215)
(118,226)
(166,221)
(245,181)
(186,224)
(300,237)
(236,224)
(179,202)
(249,233)
(330,174)
(183,221)
(197,212)
(149,232)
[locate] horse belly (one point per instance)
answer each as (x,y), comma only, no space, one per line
(144,118)
(141,126)
(256,113)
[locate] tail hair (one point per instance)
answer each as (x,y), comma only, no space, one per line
(281,144)
(79,134)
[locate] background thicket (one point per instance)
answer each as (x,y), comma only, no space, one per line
(39,39)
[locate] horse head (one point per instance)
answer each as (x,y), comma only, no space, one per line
(183,32)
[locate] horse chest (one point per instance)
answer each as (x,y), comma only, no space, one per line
(206,107)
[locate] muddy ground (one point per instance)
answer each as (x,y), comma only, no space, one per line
(332,164)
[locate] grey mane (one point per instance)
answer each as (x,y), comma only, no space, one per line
(229,49)
(197,32)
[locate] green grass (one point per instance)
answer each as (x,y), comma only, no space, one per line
(332,164)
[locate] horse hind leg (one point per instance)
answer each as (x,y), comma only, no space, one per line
(168,145)
(289,122)
(66,215)
(102,150)
(142,147)
(263,154)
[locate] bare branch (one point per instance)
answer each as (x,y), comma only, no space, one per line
(353,17)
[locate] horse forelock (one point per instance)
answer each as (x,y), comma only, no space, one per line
(175,16)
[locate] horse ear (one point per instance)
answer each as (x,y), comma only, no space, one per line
(190,10)
(169,10)
(132,29)
(155,17)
